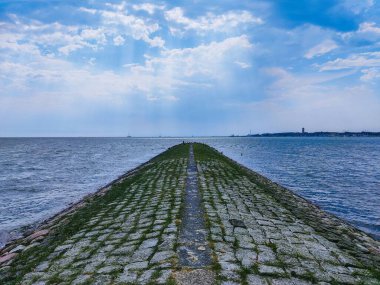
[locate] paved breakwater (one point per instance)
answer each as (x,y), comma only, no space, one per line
(194,251)
(132,232)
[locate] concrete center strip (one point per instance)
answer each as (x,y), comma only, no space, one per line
(193,251)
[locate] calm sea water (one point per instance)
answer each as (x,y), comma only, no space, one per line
(40,176)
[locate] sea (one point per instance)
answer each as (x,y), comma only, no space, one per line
(41,176)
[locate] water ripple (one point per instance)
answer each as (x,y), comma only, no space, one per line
(40,176)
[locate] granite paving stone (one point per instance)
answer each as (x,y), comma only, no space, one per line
(252,230)
(120,242)
(269,242)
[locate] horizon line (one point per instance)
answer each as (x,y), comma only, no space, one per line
(193,136)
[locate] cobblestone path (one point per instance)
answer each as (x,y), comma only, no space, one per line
(129,236)
(256,240)
(194,251)
(132,231)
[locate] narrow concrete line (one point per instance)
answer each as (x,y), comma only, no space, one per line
(194,251)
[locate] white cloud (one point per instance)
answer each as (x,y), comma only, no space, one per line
(118,40)
(35,36)
(97,35)
(357,7)
(88,10)
(370,74)
(368,59)
(73,84)
(367,31)
(306,101)
(369,27)
(205,60)
(288,81)
(159,77)
(156,42)
(34,72)
(14,44)
(148,7)
(118,20)
(211,22)
(67,49)
(116,24)
(321,49)
(118,6)
(243,65)
(92,61)
(46,86)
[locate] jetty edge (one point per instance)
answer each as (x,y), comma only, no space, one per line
(133,231)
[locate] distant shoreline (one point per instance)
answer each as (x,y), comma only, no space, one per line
(283,134)
(318,134)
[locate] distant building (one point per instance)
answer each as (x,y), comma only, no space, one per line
(303,130)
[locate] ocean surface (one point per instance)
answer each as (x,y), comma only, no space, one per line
(41,176)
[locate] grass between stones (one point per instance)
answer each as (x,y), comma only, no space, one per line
(286,239)
(277,219)
(72,224)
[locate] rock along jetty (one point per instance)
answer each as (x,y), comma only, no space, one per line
(192,216)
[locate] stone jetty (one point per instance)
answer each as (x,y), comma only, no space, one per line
(192,216)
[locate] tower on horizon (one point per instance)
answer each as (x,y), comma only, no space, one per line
(303,130)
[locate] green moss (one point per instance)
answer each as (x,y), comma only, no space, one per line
(222,170)
(309,276)
(244,272)
(55,279)
(272,245)
(73,223)
(255,268)
(171,281)
(235,245)
(375,273)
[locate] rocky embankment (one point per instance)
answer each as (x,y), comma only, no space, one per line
(192,216)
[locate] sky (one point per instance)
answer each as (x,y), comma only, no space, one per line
(188,68)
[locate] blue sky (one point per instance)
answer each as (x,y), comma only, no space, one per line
(96,68)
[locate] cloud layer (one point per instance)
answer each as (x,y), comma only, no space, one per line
(163,68)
